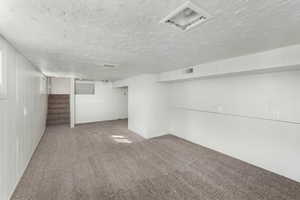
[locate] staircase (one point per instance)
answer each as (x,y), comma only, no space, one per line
(58,109)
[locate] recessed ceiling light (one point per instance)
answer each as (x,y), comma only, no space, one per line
(187,16)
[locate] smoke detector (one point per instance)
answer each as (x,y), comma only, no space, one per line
(187,16)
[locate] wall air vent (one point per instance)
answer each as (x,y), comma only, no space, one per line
(109,66)
(189,70)
(187,16)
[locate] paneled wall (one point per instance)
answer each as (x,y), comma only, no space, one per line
(22,117)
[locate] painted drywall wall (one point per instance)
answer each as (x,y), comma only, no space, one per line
(60,85)
(250,117)
(246,107)
(268,96)
(147,105)
(269,144)
(108,103)
(22,117)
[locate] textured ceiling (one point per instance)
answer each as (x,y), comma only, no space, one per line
(75,37)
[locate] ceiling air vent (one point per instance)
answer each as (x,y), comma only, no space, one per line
(187,16)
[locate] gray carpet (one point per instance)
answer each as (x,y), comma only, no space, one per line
(105,161)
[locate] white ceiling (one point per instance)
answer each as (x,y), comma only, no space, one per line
(75,37)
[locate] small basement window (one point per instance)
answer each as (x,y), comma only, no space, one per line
(84,88)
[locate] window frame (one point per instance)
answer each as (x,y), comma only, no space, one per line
(3,85)
(85,82)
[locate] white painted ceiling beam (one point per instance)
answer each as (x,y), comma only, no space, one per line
(281,59)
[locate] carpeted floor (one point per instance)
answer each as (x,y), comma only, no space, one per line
(105,161)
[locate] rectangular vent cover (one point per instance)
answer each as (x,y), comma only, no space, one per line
(109,66)
(187,16)
(189,71)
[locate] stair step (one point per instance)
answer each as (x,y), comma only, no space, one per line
(58,122)
(55,106)
(58,101)
(58,109)
(58,96)
(58,116)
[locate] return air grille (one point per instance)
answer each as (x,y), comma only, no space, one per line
(187,16)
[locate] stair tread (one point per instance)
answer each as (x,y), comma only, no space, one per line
(58,109)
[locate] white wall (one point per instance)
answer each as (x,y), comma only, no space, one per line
(255,117)
(272,145)
(22,118)
(60,85)
(108,103)
(147,105)
(72,103)
(270,96)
